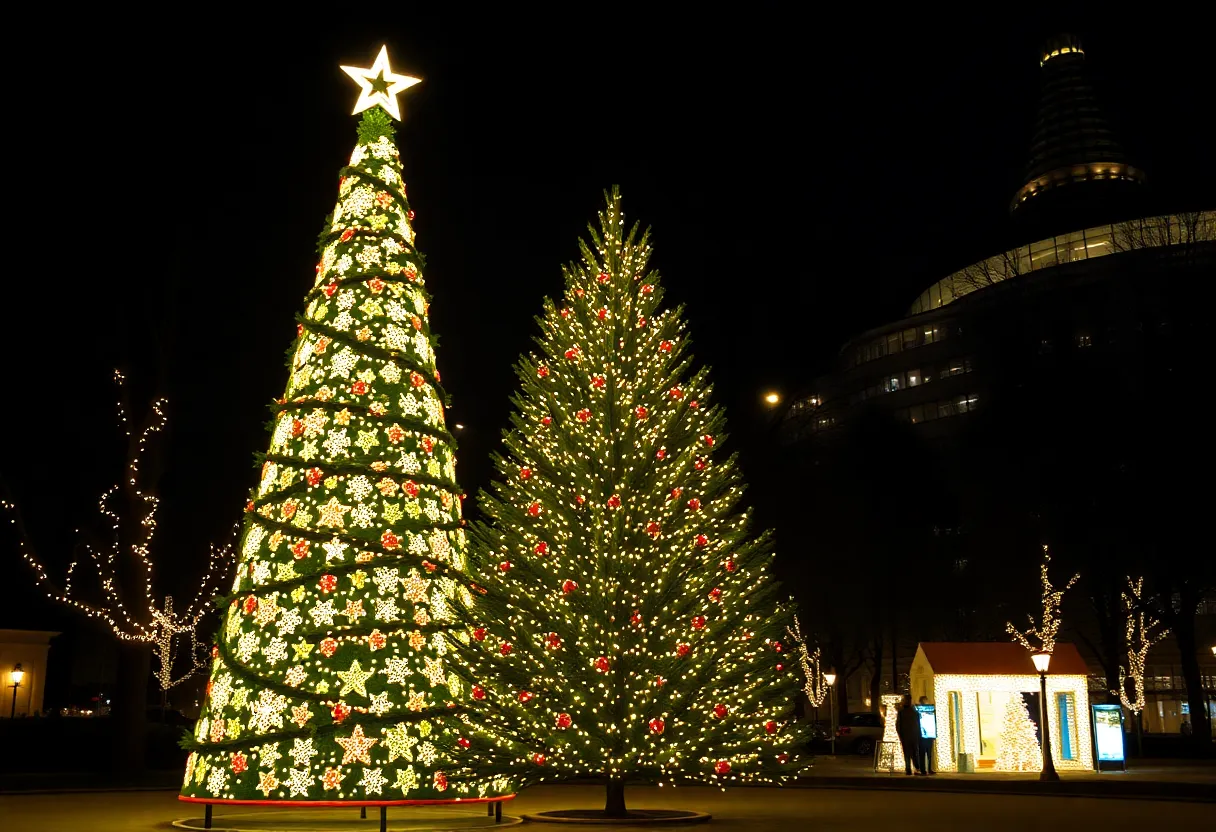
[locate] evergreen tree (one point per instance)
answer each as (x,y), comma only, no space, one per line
(331,677)
(629,627)
(1019,750)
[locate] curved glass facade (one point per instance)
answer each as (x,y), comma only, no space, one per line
(1117,238)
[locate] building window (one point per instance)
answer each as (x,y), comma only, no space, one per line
(1084,340)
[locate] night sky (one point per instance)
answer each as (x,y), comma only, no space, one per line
(805,179)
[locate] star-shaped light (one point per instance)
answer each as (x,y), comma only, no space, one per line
(407,780)
(332,514)
(379,85)
(300,714)
(373,781)
(354,679)
(417,701)
(434,671)
(332,778)
(397,741)
(268,783)
(302,648)
(356,747)
(299,782)
(380,704)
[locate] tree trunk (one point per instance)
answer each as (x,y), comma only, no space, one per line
(129,707)
(1184,635)
(876,679)
(614,805)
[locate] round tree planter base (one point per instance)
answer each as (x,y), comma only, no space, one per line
(633,817)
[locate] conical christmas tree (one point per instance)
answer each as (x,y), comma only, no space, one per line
(629,628)
(1019,749)
(331,676)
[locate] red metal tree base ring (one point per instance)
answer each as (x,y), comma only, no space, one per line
(340,803)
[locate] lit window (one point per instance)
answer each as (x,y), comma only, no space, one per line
(1084,340)
(913,378)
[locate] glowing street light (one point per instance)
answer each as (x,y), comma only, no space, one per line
(830,678)
(1041,662)
(773,398)
(16,674)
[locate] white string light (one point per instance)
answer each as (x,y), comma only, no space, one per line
(1045,632)
(1141,634)
(815,685)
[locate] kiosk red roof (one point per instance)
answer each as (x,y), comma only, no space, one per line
(998,658)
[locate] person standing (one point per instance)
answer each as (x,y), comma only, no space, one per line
(925,745)
(907,725)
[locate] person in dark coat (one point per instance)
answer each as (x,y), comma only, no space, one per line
(907,725)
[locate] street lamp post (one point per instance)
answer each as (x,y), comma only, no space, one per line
(16,674)
(1041,661)
(830,678)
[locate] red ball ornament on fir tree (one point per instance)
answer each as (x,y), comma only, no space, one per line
(715,594)
(568,587)
(505,566)
(358,387)
(563,721)
(676,492)
(505,649)
(534,510)
(525,473)
(647,288)
(694,504)
(701,541)
(699,464)
(583,415)
(329,289)
(641,412)
(525,696)
(328,647)
(698,622)
(636,618)
(661,453)
(598,381)
(463,742)
(389,540)
(783,758)
(479,634)
(676,393)
(770,727)
(239,762)
(314,476)
(602,664)
(720,711)
(665,346)
(602,313)
(565,313)
(478,692)
(659,681)
(341,711)
(780,667)
(553,641)
(327,583)
(542,371)
(614,501)
(603,277)
(656,725)
(572,354)
(542,548)
(709,440)
(546,420)
(682,649)
(777,646)
(538,758)
(730,565)
(653,529)
(416,379)
(722,767)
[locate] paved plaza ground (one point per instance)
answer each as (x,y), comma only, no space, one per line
(787,810)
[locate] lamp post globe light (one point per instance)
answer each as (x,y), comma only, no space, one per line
(16,674)
(830,678)
(1041,663)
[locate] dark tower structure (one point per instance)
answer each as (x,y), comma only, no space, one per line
(1077,167)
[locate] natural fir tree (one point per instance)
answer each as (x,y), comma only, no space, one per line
(331,678)
(1019,741)
(628,624)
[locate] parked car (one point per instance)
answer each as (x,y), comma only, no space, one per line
(859,734)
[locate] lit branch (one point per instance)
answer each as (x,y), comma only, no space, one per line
(1045,631)
(815,686)
(1141,634)
(138,619)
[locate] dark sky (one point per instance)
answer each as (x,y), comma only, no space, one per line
(805,179)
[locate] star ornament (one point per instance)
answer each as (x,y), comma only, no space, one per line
(379,85)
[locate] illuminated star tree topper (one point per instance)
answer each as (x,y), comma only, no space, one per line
(379,85)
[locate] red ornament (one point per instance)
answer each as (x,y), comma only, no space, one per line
(330,288)
(614,501)
(701,541)
(694,504)
(682,649)
(525,696)
(770,727)
(783,758)
(299,330)
(720,711)
(602,313)
(479,634)
(780,667)
(641,321)
(603,277)
(314,476)
(665,346)
(730,565)
(583,415)
(676,492)
(563,721)
(215,651)
(506,648)
(568,587)
(565,313)
(297,427)
(580,499)
(597,381)
(504,566)
(659,681)
(709,440)
(525,473)
(428,444)
(239,762)
(777,646)
(428,566)
(389,541)
(341,711)
(641,412)
(416,379)
(636,618)
(647,289)
(376,285)
(546,420)
(410,488)
(602,664)
(654,529)
(699,464)
(328,647)
(376,640)
(553,641)
(694,404)
(534,510)
(661,453)
(676,393)
(542,371)
(572,354)
(542,548)
(479,693)
(722,767)
(441,779)
(656,725)
(463,742)
(251,604)
(538,758)
(300,549)
(346,235)
(698,622)
(359,388)
(715,594)
(395,434)
(328,583)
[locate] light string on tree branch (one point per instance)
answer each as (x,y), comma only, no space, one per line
(1046,630)
(1141,633)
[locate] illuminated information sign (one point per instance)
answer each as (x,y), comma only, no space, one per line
(1108,733)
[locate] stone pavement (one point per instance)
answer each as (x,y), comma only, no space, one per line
(756,810)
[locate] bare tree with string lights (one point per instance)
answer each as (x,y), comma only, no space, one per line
(1044,631)
(126,601)
(1141,632)
(814,685)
